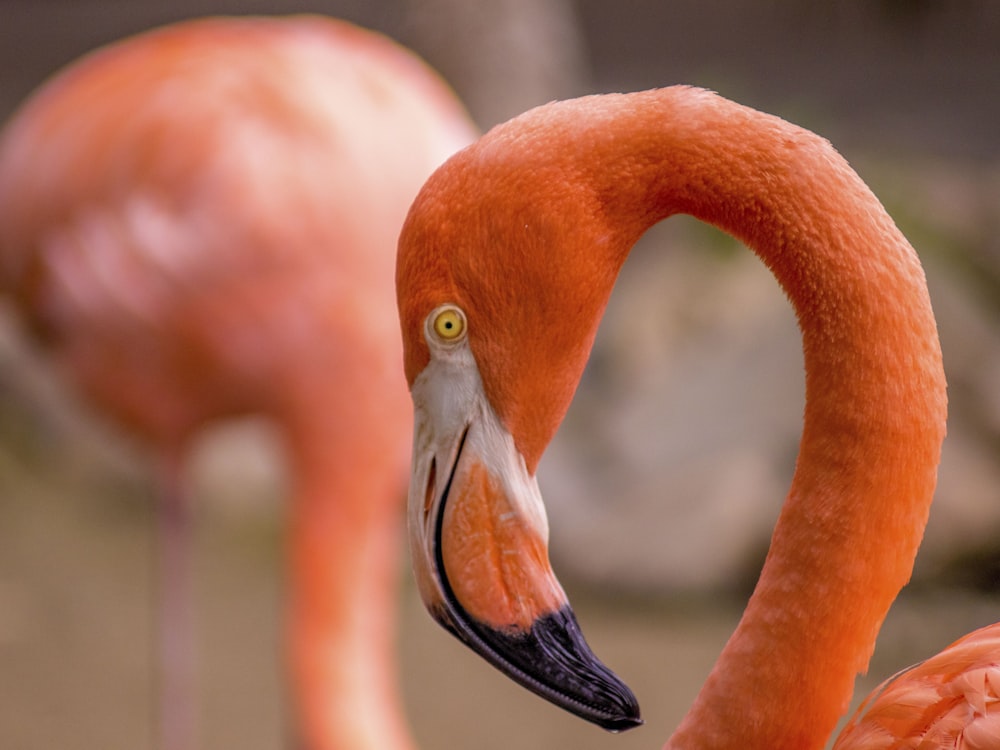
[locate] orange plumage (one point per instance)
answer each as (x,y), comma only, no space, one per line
(951,700)
(200,222)
(523,234)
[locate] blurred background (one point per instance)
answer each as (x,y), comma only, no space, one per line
(665,480)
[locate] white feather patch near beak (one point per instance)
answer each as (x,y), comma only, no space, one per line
(461,452)
(479,540)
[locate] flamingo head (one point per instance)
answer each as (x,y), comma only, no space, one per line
(498,313)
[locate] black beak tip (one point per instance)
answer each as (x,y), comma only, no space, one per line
(554,661)
(584,685)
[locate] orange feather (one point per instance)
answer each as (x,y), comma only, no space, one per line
(200,222)
(951,700)
(526,231)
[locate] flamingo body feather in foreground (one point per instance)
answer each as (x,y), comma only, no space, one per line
(200,221)
(505,265)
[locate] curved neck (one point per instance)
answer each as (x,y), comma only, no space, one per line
(875,392)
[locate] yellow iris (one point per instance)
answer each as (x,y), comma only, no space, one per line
(448,323)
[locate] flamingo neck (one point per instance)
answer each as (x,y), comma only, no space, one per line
(345,524)
(849,530)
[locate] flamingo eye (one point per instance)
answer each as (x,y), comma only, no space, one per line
(447,323)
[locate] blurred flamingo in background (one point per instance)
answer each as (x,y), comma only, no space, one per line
(506,262)
(200,222)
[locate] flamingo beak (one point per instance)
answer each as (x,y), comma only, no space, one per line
(479,542)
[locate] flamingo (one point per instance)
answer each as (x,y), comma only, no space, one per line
(505,264)
(200,223)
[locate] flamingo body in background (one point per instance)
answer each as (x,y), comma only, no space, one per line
(200,222)
(506,262)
